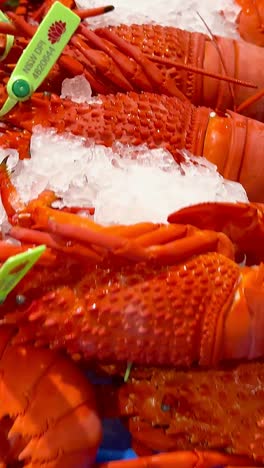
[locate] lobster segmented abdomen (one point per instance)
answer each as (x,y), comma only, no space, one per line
(47,407)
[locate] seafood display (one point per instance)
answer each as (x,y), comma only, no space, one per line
(220,73)
(232,142)
(170,312)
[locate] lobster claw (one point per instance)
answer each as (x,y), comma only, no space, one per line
(243,223)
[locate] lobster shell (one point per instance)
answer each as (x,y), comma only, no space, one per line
(221,55)
(150,58)
(42,394)
(234,143)
(250,21)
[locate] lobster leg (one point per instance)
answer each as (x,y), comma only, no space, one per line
(180,460)
(164,244)
(104,64)
(7,250)
(243,223)
(129,68)
(153,73)
(168,245)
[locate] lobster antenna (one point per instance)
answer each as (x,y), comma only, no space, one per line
(8,28)
(202,71)
(251,100)
(21,27)
(91,12)
(27,30)
(231,89)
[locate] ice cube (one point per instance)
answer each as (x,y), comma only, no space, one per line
(77,89)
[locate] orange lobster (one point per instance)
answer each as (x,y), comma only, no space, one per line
(251,21)
(174,282)
(41,393)
(232,142)
(122,289)
(165,60)
(168,410)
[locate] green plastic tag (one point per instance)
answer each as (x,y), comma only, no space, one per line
(9,39)
(16,267)
(41,54)
(128,370)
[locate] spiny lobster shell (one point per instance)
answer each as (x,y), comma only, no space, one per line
(132,119)
(184,307)
(166,409)
(233,142)
(224,56)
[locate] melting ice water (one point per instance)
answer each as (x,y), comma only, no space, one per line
(122,190)
(220,15)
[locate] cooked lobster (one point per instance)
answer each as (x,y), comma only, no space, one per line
(251,21)
(215,73)
(41,393)
(120,289)
(232,142)
(160,295)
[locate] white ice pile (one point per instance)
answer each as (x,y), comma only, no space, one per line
(122,190)
(219,15)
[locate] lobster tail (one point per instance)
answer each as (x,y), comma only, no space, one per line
(45,395)
(235,144)
(232,58)
(243,338)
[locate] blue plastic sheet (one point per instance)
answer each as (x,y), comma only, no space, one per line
(116,442)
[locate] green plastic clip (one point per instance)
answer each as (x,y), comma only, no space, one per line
(16,267)
(41,54)
(9,39)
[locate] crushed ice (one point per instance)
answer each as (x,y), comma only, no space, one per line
(219,15)
(78,89)
(145,185)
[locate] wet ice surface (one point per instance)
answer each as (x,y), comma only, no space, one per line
(220,15)
(122,190)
